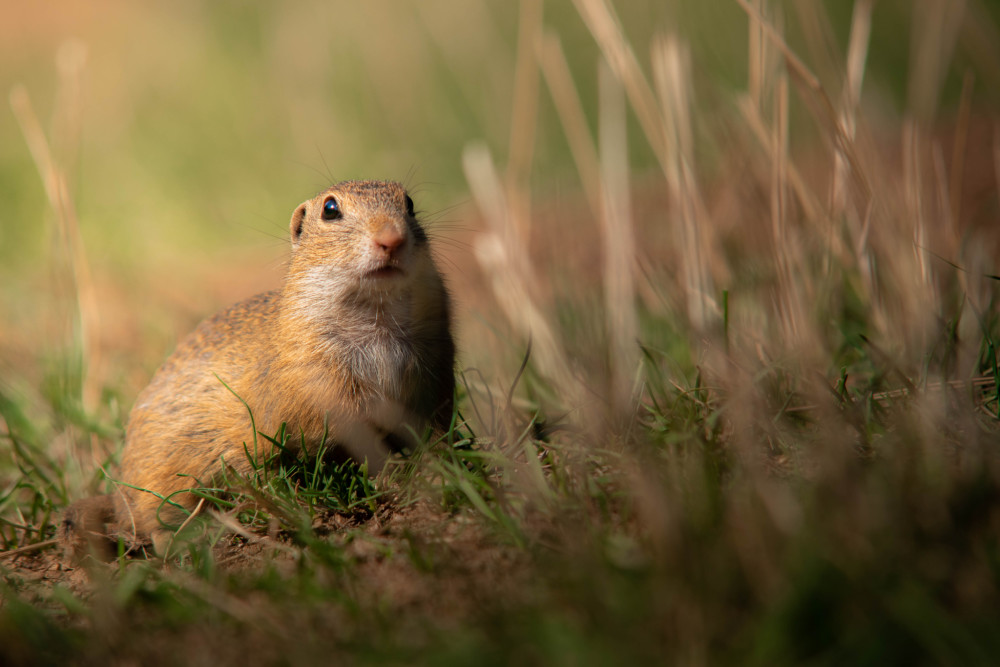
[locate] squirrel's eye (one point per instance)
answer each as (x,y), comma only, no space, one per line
(331,209)
(409,206)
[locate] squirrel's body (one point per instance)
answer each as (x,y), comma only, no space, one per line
(354,348)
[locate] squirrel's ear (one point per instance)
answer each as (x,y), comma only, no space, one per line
(298,217)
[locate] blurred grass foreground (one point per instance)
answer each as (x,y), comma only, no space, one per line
(727,283)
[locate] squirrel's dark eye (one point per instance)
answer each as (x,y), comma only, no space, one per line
(409,206)
(331,209)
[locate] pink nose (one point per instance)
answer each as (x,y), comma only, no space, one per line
(388,240)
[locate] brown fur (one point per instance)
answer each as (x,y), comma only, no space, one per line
(337,350)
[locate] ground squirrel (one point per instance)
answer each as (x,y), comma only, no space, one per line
(356,345)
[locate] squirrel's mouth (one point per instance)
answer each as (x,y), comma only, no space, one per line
(384,272)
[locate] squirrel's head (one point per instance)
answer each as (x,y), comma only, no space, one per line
(359,239)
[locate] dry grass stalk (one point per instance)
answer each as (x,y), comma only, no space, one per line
(914,194)
(981,41)
(946,244)
(832,123)
(524,109)
(958,150)
(671,69)
(857,55)
(906,317)
(619,242)
(605,180)
(185,524)
(57,191)
(71,59)
(936,25)
(755,62)
(572,117)
(524,114)
(816,97)
(504,258)
(790,285)
(607,31)
(790,297)
(774,37)
(820,39)
(811,208)
(908,207)
(229,522)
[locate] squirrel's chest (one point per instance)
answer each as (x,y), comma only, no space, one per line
(373,365)
(379,366)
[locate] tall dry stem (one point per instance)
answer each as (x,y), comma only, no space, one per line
(671,69)
(619,242)
(607,31)
(572,117)
(857,53)
(72,59)
(524,114)
(505,260)
(936,25)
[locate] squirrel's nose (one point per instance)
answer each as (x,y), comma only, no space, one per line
(388,240)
